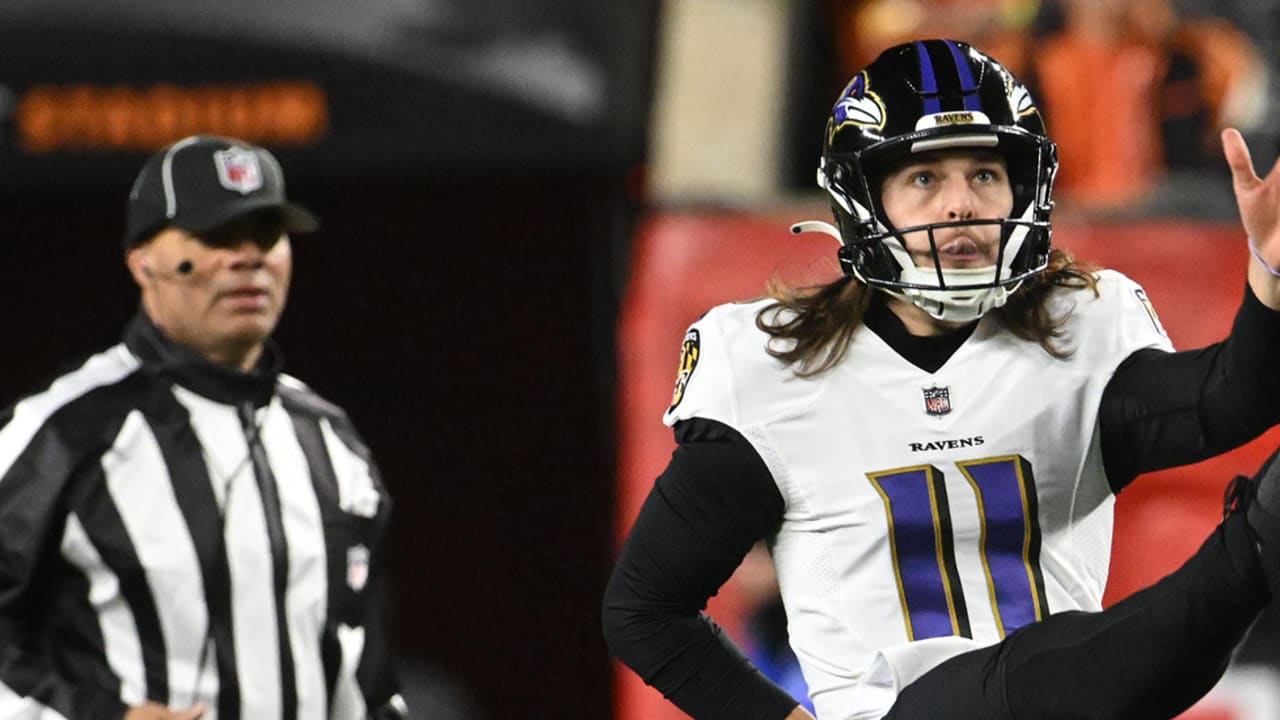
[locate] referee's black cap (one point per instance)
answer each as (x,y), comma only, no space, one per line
(202,182)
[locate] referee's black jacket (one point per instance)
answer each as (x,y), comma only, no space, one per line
(179,532)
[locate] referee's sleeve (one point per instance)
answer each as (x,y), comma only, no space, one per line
(713,502)
(32,519)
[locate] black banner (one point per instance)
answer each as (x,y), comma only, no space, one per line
(333,87)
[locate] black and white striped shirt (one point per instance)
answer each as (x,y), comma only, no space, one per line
(178,532)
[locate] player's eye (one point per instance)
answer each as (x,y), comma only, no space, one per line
(987,174)
(922,178)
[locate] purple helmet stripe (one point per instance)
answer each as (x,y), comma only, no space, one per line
(967,85)
(928,81)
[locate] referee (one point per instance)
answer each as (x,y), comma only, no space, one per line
(185,531)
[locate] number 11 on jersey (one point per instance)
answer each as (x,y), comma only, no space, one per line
(922,542)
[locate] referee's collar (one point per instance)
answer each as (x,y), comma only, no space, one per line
(162,356)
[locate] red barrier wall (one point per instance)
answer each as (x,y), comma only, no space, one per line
(685,263)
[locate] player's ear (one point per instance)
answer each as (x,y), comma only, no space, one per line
(138,261)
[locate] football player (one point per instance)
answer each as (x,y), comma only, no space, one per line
(931,445)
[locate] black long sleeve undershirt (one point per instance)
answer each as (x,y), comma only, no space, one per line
(717,498)
(1162,410)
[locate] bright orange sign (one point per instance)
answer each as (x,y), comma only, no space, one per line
(53,118)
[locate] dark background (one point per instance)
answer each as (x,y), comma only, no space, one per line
(478,182)
(459,300)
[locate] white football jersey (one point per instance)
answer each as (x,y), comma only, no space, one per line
(926,514)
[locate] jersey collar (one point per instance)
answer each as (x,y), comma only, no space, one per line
(162,356)
(929,353)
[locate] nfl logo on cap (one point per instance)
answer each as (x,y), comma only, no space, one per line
(937,400)
(238,170)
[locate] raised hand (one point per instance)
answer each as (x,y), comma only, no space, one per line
(1259,203)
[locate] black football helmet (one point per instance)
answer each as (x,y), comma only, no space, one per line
(923,96)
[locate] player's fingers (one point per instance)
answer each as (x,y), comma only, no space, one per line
(1238,159)
(193,713)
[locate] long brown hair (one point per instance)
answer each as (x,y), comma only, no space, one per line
(819,321)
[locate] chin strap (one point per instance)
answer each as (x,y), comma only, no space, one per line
(954,305)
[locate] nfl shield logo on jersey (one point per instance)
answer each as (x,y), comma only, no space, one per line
(357,567)
(238,169)
(937,400)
